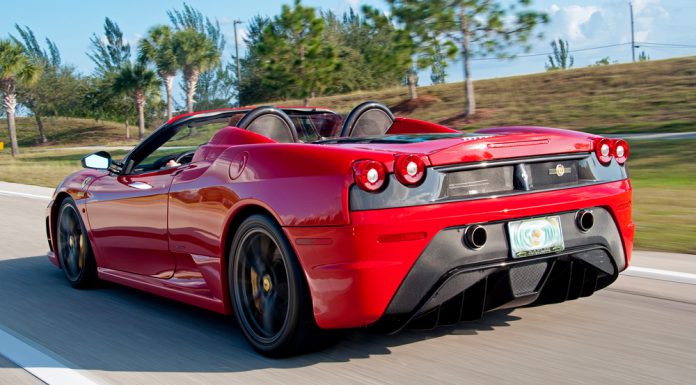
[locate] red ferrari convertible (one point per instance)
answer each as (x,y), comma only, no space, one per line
(300,222)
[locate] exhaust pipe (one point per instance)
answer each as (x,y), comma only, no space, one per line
(584,219)
(475,237)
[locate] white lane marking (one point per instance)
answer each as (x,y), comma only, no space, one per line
(25,195)
(663,275)
(39,364)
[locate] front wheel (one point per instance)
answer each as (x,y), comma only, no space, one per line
(268,293)
(74,250)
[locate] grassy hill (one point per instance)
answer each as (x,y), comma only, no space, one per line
(646,96)
(69,132)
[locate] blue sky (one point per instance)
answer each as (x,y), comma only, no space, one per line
(583,23)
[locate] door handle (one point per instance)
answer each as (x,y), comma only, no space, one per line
(140,185)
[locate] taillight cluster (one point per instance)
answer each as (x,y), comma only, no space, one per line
(371,175)
(606,149)
(409,169)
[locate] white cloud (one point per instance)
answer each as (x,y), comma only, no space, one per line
(604,22)
(574,17)
(646,14)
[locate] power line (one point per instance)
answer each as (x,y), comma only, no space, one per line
(636,44)
(551,53)
(666,44)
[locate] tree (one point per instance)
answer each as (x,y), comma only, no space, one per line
(643,56)
(605,61)
(158,48)
(297,60)
(471,27)
(410,51)
(561,58)
(366,52)
(33,48)
(438,68)
(15,66)
(251,88)
(41,96)
(216,84)
(137,81)
(195,53)
(110,52)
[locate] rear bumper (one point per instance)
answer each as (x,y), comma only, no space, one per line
(396,265)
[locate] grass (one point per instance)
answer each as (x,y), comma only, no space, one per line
(63,132)
(664,205)
(42,168)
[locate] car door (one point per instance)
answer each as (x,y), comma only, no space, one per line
(128,217)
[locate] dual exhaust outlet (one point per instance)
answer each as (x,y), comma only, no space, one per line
(476,236)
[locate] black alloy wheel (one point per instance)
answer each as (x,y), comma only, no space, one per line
(269,296)
(73,247)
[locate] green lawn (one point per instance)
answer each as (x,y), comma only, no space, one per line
(63,132)
(663,175)
(664,204)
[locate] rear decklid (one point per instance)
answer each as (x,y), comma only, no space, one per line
(484,145)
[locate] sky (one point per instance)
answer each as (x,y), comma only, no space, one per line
(584,24)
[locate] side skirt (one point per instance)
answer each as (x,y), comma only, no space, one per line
(160,287)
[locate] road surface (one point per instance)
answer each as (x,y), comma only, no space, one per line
(638,331)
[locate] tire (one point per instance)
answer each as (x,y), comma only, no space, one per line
(269,296)
(73,247)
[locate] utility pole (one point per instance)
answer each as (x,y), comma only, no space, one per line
(236,54)
(633,38)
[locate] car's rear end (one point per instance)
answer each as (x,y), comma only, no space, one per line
(445,227)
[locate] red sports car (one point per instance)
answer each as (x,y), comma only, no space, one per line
(298,221)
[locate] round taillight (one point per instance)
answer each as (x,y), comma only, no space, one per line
(603,150)
(369,174)
(620,151)
(409,169)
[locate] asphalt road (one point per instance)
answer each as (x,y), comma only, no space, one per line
(638,331)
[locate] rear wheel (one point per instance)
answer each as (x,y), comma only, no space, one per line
(268,292)
(74,249)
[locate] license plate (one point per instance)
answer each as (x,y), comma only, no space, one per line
(535,236)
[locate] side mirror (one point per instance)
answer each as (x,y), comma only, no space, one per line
(100,160)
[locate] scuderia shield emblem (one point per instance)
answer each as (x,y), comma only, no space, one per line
(560,170)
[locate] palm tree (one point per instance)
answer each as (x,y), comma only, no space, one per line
(195,53)
(158,48)
(15,65)
(137,81)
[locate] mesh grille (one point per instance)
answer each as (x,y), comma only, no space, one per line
(481,181)
(373,122)
(513,178)
(273,127)
(525,279)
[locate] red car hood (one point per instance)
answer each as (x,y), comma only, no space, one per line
(483,145)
